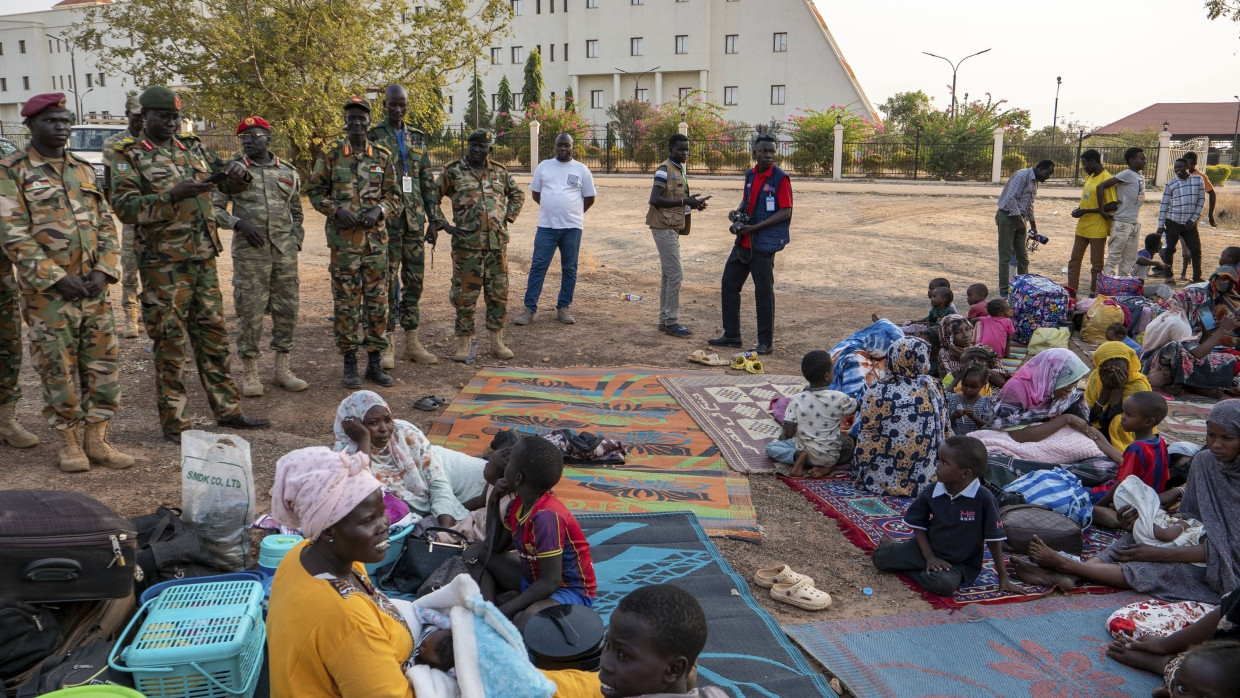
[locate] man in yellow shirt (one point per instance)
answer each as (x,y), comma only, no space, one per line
(1093,223)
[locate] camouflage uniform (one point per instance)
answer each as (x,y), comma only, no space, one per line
(358,181)
(406,252)
(483,204)
(177,244)
(10,335)
(265,277)
(54,221)
(129,257)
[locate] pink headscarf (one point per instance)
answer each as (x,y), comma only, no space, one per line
(1035,382)
(316,487)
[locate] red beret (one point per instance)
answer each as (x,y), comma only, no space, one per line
(41,103)
(250,122)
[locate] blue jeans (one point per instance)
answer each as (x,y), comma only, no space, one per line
(546,241)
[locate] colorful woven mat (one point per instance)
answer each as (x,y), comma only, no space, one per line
(671,464)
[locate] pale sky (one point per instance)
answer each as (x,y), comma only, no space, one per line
(1115,57)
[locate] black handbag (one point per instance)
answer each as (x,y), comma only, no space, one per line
(169,549)
(421,558)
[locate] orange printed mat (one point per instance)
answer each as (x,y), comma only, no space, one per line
(671,464)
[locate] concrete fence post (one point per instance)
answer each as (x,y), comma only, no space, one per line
(1164,158)
(683,129)
(996,165)
(534,130)
(837,158)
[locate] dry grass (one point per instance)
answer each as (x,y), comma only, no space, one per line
(1227,206)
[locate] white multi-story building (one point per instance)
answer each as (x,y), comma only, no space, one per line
(35,58)
(760,59)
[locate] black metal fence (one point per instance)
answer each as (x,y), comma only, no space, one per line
(15,132)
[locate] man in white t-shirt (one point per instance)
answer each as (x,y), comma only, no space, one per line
(1125,238)
(563,188)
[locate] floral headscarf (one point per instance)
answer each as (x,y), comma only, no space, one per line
(1029,396)
(948,357)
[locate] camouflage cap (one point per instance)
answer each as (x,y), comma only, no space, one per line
(356,102)
(132,105)
(480,135)
(159,97)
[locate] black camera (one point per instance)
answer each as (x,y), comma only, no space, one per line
(1035,239)
(739,220)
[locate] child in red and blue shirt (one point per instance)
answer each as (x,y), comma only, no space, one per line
(1146,457)
(552,565)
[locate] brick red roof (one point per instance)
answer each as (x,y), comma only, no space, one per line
(1186,119)
(70,3)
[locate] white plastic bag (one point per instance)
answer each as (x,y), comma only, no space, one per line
(217,494)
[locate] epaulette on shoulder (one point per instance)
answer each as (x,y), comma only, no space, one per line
(498,166)
(187,137)
(13,158)
(381,148)
(70,155)
(124,143)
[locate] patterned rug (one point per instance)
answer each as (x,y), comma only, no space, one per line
(746,654)
(865,518)
(733,408)
(672,465)
(1050,647)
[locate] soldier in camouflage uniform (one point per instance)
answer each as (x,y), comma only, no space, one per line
(355,186)
(129,257)
(56,228)
(485,199)
(160,184)
(267,218)
(406,253)
(11,432)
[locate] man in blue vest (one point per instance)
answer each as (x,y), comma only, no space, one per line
(767,202)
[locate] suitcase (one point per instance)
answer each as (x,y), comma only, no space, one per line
(63,546)
(1036,302)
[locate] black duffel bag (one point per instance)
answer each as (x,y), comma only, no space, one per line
(169,549)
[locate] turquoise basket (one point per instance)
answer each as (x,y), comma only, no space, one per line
(199,640)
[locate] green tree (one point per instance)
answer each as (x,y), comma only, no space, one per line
(627,117)
(958,148)
(570,100)
(476,112)
(905,110)
(293,61)
(1223,8)
(504,121)
(532,88)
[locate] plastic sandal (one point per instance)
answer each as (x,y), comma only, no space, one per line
(430,403)
(801,594)
(783,574)
(700,356)
(738,362)
(753,366)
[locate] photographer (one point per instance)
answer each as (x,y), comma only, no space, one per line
(1016,207)
(760,224)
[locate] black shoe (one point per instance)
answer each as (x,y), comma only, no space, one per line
(1199,281)
(724,341)
(351,379)
(761,349)
(677,330)
(375,372)
(174,438)
(240,421)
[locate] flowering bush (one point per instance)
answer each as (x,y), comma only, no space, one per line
(961,147)
(813,133)
(552,122)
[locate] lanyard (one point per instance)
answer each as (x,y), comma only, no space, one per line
(400,140)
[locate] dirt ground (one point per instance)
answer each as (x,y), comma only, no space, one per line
(852,254)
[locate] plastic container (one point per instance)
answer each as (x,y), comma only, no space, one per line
(273,549)
(242,576)
(95,692)
(393,552)
(200,640)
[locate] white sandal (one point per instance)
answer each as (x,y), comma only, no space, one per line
(783,574)
(802,594)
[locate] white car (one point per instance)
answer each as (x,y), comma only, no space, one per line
(87,140)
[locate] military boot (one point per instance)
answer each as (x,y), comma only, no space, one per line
(498,349)
(284,375)
(131,323)
(100,450)
(387,357)
(374,370)
(72,458)
(11,432)
(351,379)
(464,343)
(414,351)
(251,384)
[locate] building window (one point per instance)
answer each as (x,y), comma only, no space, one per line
(516,100)
(1,48)
(99,79)
(635,46)
(730,43)
(591,4)
(564,57)
(637,2)
(551,99)
(4,84)
(516,7)
(25,82)
(49,45)
(682,43)
(683,92)
(90,80)
(518,55)
(777,94)
(729,96)
(537,7)
(591,48)
(496,53)
(553,53)
(21,46)
(451,104)
(494,101)
(781,42)
(596,99)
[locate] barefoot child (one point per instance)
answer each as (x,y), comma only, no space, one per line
(1117,332)
(977,294)
(951,523)
(814,422)
(969,410)
(552,565)
(1146,457)
(996,329)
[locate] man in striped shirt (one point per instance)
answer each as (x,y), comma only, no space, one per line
(1016,207)
(1182,200)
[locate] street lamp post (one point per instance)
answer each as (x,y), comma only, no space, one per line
(955,67)
(1235,136)
(637,77)
(77,100)
(1055,115)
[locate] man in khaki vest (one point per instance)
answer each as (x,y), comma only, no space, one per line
(668,218)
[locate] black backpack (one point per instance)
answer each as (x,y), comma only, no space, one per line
(27,636)
(85,665)
(169,549)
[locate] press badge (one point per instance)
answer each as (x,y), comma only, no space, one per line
(770,204)
(406,184)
